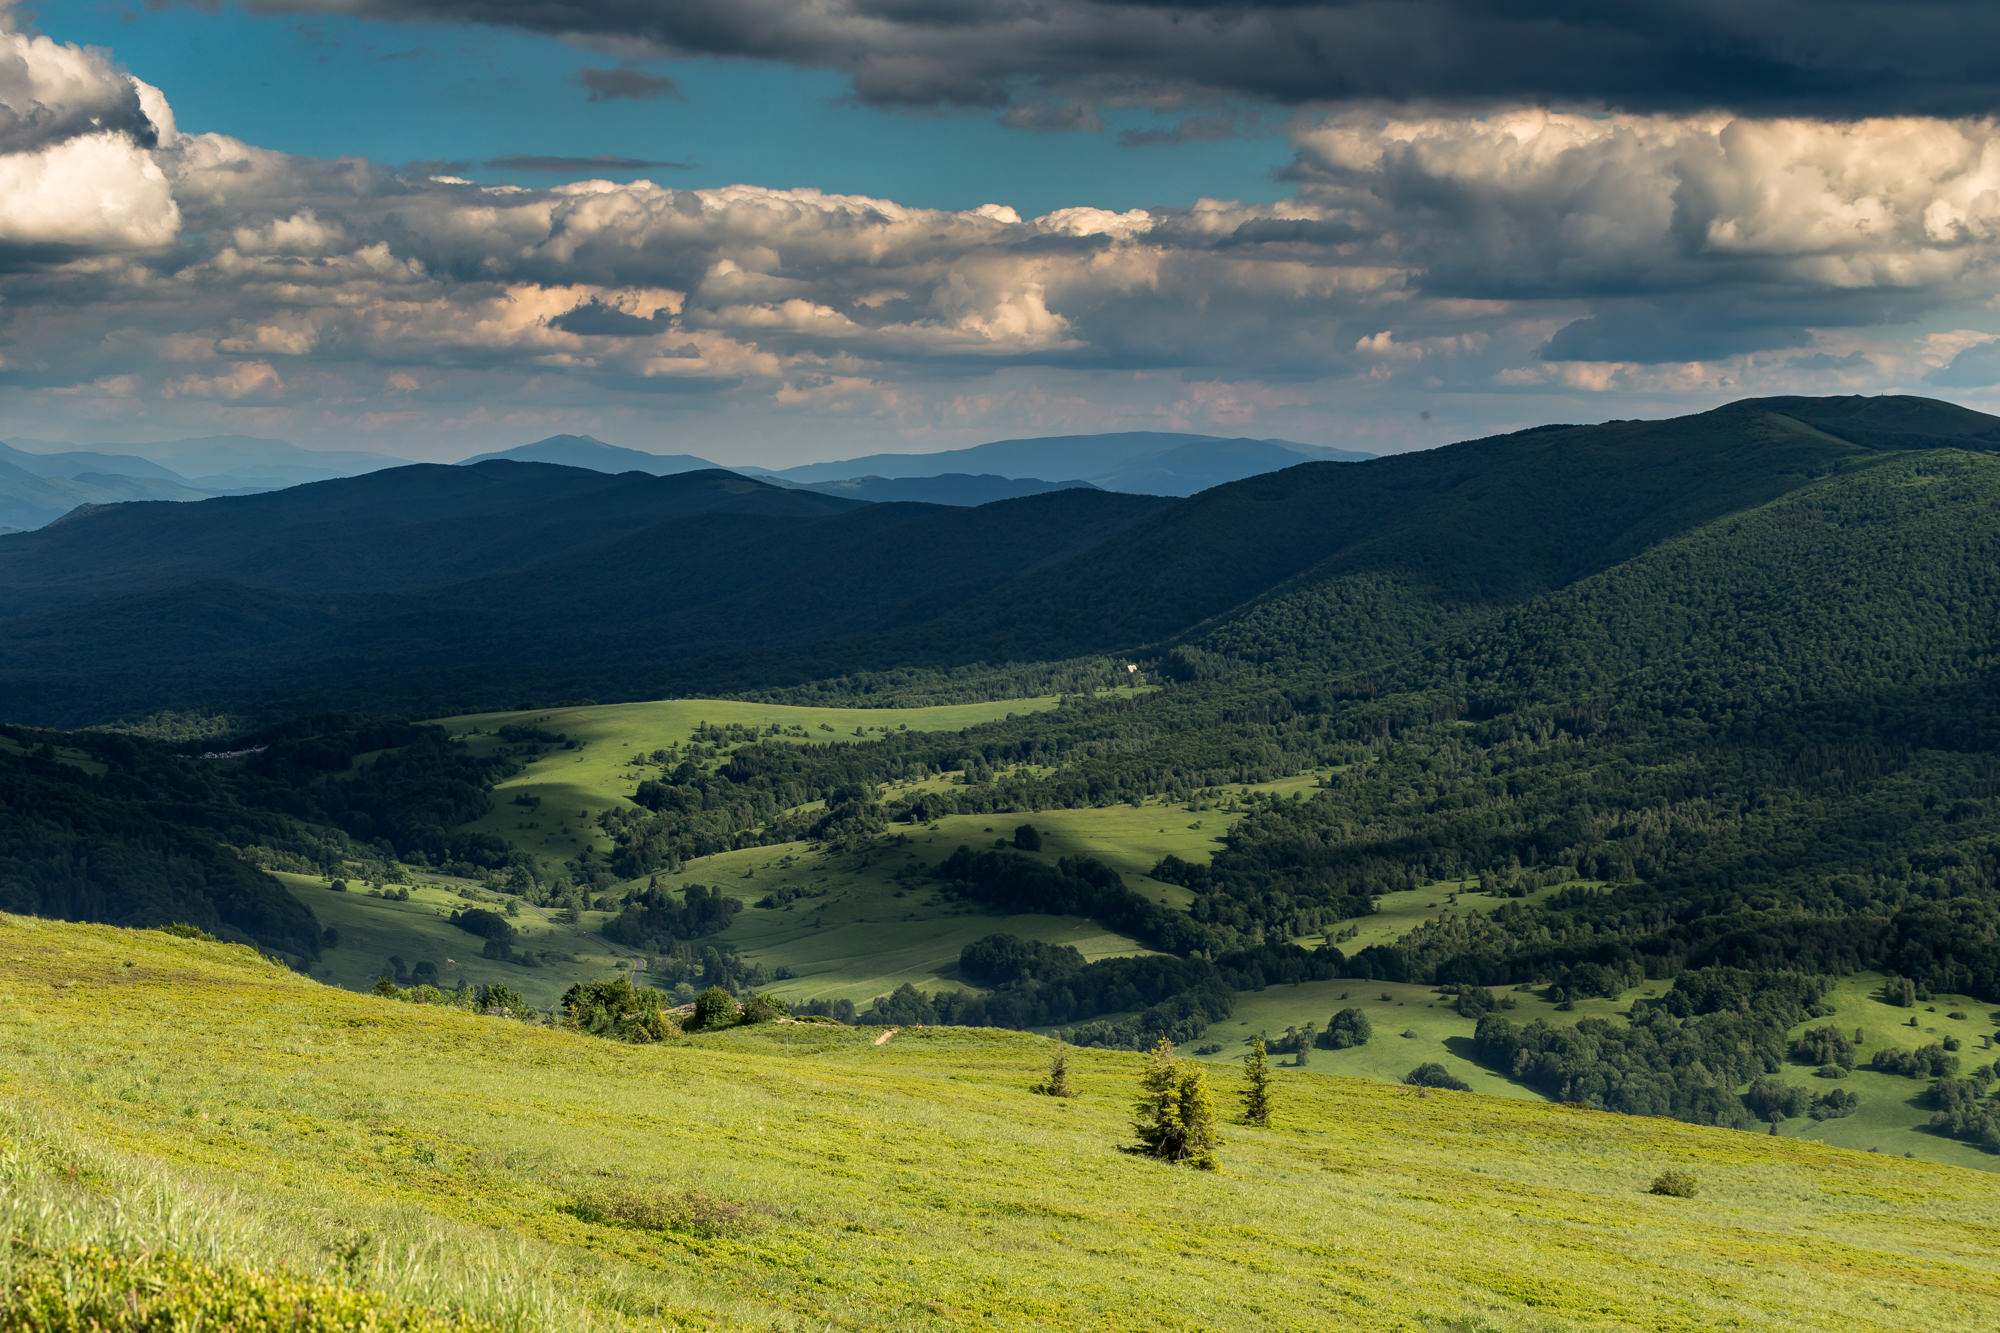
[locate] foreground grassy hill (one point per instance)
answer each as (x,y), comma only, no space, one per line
(193,1100)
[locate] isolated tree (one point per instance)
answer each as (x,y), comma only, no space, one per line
(1057,1084)
(1028,838)
(1257,1087)
(1176,1114)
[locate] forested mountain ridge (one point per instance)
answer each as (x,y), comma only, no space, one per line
(434,587)
(407,588)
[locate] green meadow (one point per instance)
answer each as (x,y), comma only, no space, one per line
(179,1098)
(573,787)
(370,929)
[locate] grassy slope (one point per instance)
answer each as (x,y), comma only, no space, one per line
(910,1185)
(576,786)
(370,929)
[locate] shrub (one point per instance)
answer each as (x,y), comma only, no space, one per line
(1833,1105)
(1028,838)
(690,1212)
(618,1010)
(1431,1074)
(764,1009)
(714,1008)
(1349,1027)
(1674,1185)
(1900,991)
(187,932)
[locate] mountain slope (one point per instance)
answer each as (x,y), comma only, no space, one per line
(584,451)
(489,581)
(816,1179)
(1353,561)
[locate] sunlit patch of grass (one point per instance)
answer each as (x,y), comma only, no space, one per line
(205,1104)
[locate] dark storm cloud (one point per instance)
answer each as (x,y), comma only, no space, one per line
(1832,57)
(628,83)
(574,165)
(594,319)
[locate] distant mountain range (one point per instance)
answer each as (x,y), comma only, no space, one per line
(589,452)
(1137,462)
(496,569)
(41,481)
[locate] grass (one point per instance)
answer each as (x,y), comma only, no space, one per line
(190,1098)
(1892,1117)
(575,786)
(873,920)
(1435,1030)
(370,929)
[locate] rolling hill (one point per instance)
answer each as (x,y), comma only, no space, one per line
(321,1147)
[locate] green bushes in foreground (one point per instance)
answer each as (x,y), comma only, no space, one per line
(94,1290)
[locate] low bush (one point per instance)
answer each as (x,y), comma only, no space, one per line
(688,1212)
(1431,1074)
(1674,1185)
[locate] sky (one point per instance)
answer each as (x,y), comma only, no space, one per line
(771,231)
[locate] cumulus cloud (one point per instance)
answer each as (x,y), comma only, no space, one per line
(1523,257)
(1836,57)
(77,171)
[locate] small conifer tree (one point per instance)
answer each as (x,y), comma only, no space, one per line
(1058,1080)
(1176,1114)
(1257,1087)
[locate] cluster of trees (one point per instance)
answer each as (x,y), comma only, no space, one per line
(653,920)
(1074,886)
(1676,1056)
(1967,1108)
(1047,985)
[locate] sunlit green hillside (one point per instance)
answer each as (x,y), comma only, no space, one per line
(192,1099)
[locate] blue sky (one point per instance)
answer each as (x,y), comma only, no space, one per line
(333,85)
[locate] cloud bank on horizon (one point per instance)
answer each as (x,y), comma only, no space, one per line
(1463,251)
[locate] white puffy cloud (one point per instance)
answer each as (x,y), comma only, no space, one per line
(76,172)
